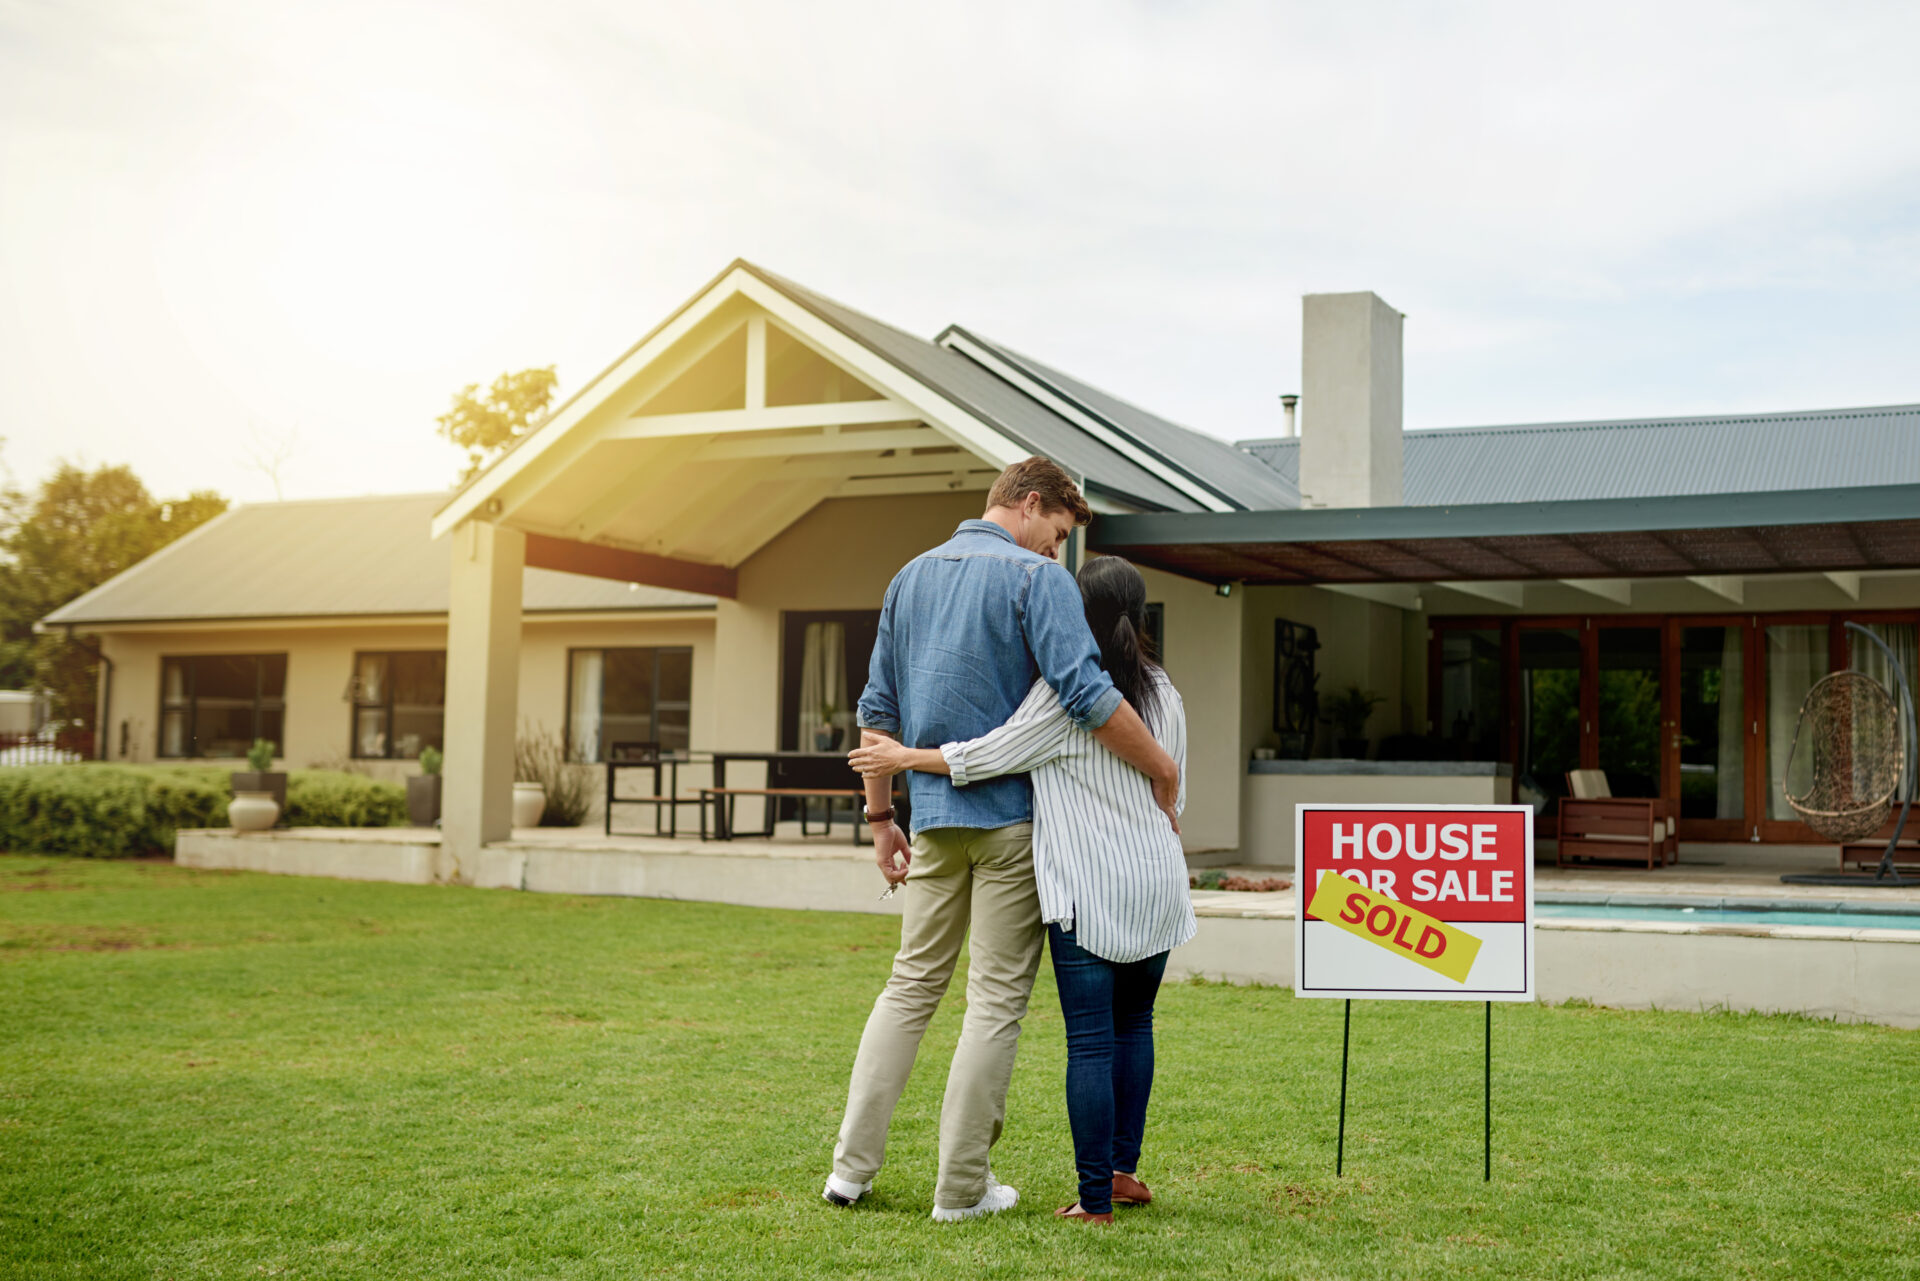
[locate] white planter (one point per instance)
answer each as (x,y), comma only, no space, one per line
(252,811)
(529,802)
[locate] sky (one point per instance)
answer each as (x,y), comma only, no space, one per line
(257,247)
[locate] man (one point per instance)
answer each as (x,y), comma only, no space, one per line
(963,631)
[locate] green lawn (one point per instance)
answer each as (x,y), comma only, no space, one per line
(223,1075)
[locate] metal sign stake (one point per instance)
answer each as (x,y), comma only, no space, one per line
(1340,1150)
(1489,1146)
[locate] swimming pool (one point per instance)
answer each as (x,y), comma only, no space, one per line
(1832,914)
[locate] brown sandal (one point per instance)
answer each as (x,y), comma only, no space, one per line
(1075,1212)
(1128,1190)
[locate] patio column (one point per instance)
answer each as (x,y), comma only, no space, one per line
(483,694)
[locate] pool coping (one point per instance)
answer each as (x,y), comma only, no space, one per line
(1279,906)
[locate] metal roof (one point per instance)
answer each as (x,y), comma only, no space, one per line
(1643,457)
(1026,421)
(1773,531)
(1220,466)
(325,558)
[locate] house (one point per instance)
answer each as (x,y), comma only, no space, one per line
(322,627)
(1651,598)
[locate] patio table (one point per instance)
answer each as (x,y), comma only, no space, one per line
(722,808)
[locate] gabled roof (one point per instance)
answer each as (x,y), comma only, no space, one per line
(340,557)
(1211,462)
(1647,457)
(1016,414)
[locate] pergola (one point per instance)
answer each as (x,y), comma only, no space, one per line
(1490,551)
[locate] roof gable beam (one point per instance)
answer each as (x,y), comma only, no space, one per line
(725,422)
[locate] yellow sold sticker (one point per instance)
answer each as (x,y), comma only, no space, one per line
(1391,924)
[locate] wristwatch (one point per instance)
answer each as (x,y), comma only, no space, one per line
(884,816)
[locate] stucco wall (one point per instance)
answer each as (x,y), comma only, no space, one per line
(320,665)
(1203,641)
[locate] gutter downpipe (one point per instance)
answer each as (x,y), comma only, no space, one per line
(105,698)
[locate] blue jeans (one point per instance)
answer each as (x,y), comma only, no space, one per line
(1109,1015)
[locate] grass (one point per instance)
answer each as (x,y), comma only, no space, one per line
(226,1075)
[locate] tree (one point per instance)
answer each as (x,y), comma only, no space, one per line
(486,425)
(81,529)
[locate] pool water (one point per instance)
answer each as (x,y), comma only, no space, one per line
(1728,916)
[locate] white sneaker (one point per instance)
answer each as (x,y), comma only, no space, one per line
(996,1198)
(840,1192)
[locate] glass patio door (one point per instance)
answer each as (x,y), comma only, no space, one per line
(1624,734)
(1710,728)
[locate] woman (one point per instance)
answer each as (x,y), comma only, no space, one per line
(1111,875)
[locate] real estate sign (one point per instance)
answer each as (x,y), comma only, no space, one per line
(1414,902)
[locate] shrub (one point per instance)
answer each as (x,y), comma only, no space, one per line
(321,798)
(116,811)
(111,811)
(541,757)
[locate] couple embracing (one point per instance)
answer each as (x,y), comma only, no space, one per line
(1048,756)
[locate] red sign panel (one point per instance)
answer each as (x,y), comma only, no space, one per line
(1452,864)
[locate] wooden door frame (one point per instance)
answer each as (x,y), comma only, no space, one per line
(1720,830)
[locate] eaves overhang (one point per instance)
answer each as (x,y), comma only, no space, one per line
(1775,531)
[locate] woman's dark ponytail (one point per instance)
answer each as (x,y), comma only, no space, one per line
(1116,602)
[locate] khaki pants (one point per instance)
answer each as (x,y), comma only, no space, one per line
(958,875)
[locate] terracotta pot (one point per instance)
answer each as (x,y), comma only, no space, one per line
(529,802)
(252,811)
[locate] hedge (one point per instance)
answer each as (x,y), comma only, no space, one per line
(327,798)
(113,811)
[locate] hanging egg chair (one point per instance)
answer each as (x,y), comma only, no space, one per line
(1850,726)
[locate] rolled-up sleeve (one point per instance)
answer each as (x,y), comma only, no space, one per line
(879,706)
(1055,621)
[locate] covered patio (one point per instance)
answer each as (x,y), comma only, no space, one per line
(1664,641)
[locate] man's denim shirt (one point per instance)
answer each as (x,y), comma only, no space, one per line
(960,633)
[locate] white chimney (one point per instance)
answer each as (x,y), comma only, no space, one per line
(1350,453)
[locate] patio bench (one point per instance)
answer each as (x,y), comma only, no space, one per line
(722,799)
(1868,850)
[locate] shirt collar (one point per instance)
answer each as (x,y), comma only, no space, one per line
(983,527)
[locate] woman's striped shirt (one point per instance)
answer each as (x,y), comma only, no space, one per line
(1108,863)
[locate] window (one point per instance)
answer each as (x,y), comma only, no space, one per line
(824,658)
(617,696)
(1469,694)
(399,704)
(216,705)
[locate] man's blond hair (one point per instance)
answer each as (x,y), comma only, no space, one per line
(1042,476)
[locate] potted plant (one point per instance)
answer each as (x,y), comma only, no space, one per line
(827,737)
(423,790)
(259,793)
(1349,713)
(529,793)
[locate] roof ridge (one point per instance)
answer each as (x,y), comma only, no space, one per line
(1612,424)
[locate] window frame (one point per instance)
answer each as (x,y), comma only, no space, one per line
(656,705)
(189,708)
(355,706)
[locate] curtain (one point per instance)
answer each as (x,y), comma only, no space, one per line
(1730,771)
(1796,658)
(823,683)
(1867,658)
(587,680)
